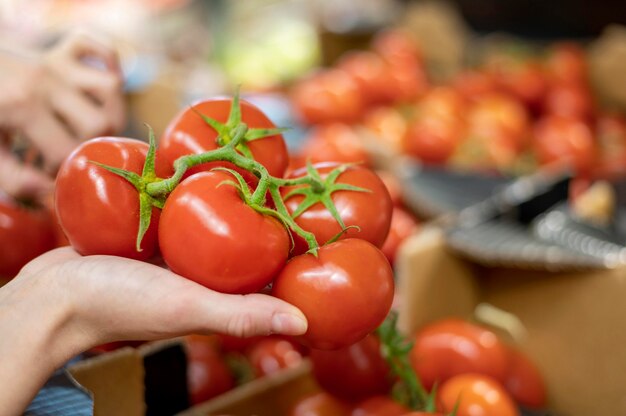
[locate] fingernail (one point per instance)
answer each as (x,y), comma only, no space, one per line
(288,324)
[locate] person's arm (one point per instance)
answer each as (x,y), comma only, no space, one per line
(62,304)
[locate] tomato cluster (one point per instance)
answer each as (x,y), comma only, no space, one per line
(214,200)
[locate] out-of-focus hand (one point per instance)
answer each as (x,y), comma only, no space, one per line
(61,304)
(55,100)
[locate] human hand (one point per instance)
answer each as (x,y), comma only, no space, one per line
(54,100)
(61,304)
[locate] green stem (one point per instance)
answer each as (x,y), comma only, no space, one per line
(284,214)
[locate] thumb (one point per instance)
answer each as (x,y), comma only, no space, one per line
(20,180)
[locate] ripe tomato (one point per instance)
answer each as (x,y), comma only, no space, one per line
(452,346)
(524,381)
(397,46)
(273,354)
(387,125)
(432,140)
(523,78)
(345,292)
(474,84)
(487,147)
(478,395)
(326,96)
(335,142)
(569,100)
(229,343)
(423,414)
(354,372)
(99,210)
(564,140)
(405,83)
(403,225)
(188,134)
(369,71)
(207,373)
(209,235)
(379,406)
(442,103)
(24,235)
(320,404)
(371,211)
(566,63)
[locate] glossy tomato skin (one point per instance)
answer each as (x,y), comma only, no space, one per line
(564,140)
(452,346)
(354,372)
(209,235)
(403,225)
(327,96)
(345,292)
(379,406)
(24,235)
(334,142)
(188,134)
(524,381)
(207,373)
(320,404)
(273,354)
(98,210)
(478,395)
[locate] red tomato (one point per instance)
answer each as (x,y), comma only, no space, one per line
(188,134)
(475,84)
(403,225)
(379,406)
(273,354)
(566,63)
(371,211)
(369,71)
(209,235)
(335,142)
(207,373)
(524,381)
(452,346)
(423,414)
(354,372)
(345,292)
(433,140)
(478,395)
(320,404)
(442,103)
(24,235)
(525,79)
(326,96)
(387,125)
(569,100)
(397,46)
(393,187)
(229,343)
(487,146)
(404,83)
(560,139)
(99,210)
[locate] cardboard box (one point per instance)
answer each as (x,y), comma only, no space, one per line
(575,322)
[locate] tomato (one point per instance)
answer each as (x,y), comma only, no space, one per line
(397,46)
(611,131)
(564,140)
(444,104)
(229,343)
(326,96)
(452,346)
(524,381)
(345,292)
(569,100)
(207,373)
(523,78)
(369,71)
(423,414)
(319,404)
(566,63)
(99,210)
(188,134)
(478,395)
(393,187)
(209,235)
(273,354)
(335,142)
(379,406)
(403,225)
(371,211)
(24,235)
(432,140)
(487,147)
(387,125)
(354,372)
(404,83)
(474,84)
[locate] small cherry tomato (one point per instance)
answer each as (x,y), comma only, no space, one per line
(524,381)
(354,372)
(209,235)
(335,142)
(207,373)
(403,225)
(477,395)
(273,354)
(326,96)
(320,404)
(345,292)
(379,406)
(99,210)
(452,346)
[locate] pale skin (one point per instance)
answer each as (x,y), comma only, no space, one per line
(62,304)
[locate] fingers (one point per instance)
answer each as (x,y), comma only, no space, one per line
(81,114)
(79,45)
(20,180)
(50,137)
(49,259)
